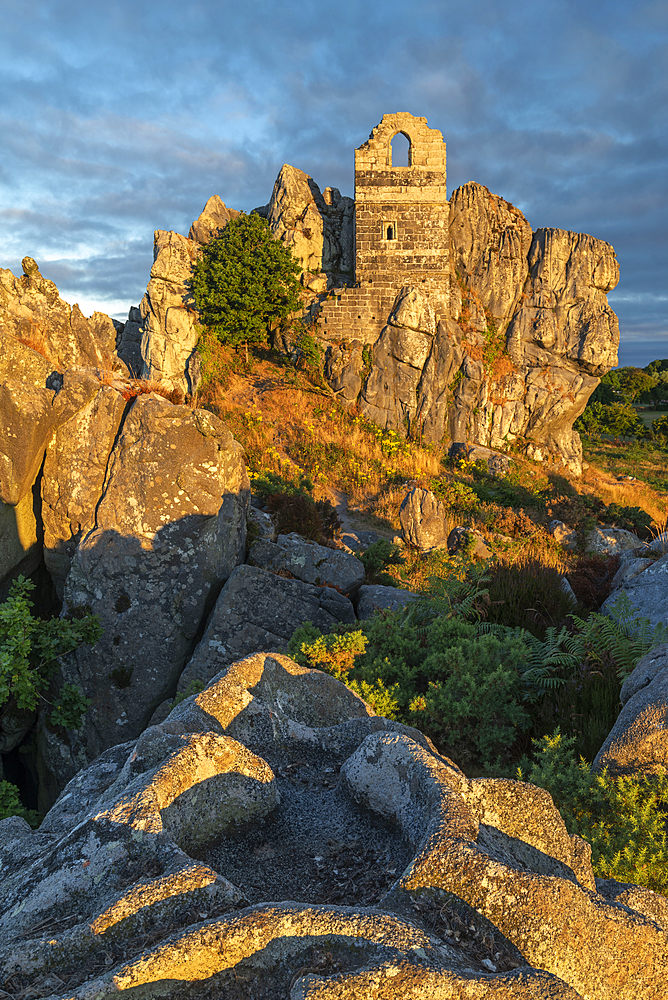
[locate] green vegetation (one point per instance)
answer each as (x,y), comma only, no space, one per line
(29,651)
(624,818)
(293,508)
(244,282)
(481,691)
(378,558)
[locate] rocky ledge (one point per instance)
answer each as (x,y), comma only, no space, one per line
(273,838)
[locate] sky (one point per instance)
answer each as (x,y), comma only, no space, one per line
(124,118)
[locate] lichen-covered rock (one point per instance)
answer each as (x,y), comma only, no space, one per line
(212,219)
(490,243)
(316,226)
(33,405)
(166,534)
(73,479)
(468,542)
(32,310)
(272,837)
(308,561)
(423,519)
(376,597)
(637,744)
(258,610)
(607,541)
(646,592)
(169,325)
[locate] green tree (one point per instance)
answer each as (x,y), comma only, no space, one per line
(244,282)
(29,650)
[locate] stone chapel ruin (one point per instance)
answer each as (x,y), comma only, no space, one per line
(444,318)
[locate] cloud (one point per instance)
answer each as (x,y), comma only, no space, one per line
(120,120)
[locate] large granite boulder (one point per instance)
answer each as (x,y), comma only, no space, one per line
(258,610)
(272,837)
(608,541)
(75,469)
(637,744)
(34,402)
(646,591)
(308,561)
(377,597)
(46,347)
(169,325)
(316,226)
(169,527)
(424,520)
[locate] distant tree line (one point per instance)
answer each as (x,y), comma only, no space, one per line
(613,410)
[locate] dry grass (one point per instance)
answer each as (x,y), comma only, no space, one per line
(628,493)
(291,427)
(31,335)
(131,388)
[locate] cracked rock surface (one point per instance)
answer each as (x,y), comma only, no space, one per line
(272,838)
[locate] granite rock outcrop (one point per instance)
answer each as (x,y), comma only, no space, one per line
(272,837)
(442,319)
(165,536)
(169,325)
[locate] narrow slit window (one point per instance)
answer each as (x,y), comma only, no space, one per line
(390,230)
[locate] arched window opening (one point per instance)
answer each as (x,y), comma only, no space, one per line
(389,230)
(400,150)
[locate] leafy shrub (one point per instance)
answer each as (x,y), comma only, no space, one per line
(29,649)
(624,818)
(481,690)
(11,805)
(376,560)
(267,484)
(660,427)
(461,687)
(616,420)
(308,352)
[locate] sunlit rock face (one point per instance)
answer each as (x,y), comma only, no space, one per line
(442,318)
(164,528)
(273,838)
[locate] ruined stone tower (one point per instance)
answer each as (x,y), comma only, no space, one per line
(401,212)
(401,228)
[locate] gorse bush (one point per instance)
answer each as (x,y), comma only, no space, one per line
(378,558)
(481,691)
(623,818)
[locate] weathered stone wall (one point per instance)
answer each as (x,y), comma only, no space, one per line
(408,204)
